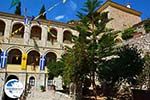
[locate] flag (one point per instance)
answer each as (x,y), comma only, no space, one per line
(26,20)
(14,3)
(3,61)
(42,62)
(24,61)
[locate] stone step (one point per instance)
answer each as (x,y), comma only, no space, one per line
(47,95)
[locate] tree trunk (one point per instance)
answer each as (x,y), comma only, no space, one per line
(94,85)
(77,91)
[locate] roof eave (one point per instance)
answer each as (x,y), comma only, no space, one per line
(121,7)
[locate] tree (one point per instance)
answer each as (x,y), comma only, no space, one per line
(144,77)
(43,16)
(94,42)
(55,68)
(83,59)
(147,25)
(147,68)
(18,9)
(126,65)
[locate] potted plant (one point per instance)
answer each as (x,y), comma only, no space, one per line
(42,88)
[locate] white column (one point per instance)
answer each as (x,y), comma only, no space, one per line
(27,32)
(60,35)
(8,29)
(44,35)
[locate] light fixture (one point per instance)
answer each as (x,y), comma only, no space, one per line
(17,57)
(36,58)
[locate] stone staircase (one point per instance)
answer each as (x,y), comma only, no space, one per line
(47,95)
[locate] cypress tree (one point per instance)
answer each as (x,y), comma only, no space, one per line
(41,12)
(18,9)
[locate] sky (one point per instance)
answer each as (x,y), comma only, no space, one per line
(68,10)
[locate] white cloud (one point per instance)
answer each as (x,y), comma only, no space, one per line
(73,5)
(64,1)
(59,17)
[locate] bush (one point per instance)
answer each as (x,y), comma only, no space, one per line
(147,25)
(128,33)
(42,88)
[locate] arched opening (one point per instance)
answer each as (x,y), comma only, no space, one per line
(52,36)
(2,27)
(12,77)
(36,32)
(67,37)
(14,56)
(50,81)
(18,28)
(33,59)
(50,57)
(5,97)
(32,81)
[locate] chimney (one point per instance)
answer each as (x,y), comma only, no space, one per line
(128,5)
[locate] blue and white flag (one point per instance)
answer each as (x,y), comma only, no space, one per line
(42,62)
(3,61)
(26,20)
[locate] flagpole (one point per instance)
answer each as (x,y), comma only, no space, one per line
(5,67)
(26,79)
(5,71)
(24,67)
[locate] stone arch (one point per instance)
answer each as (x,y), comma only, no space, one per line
(33,58)
(14,47)
(2,27)
(11,77)
(50,56)
(31,49)
(118,39)
(14,56)
(32,81)
(67,36)
(52,36)
(18,28)
(36,32)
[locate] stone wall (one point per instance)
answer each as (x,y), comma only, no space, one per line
(142,42)
(121,19)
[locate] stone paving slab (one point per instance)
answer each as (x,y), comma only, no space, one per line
(48,95)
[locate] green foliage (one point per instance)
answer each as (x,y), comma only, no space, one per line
(128,33)
(106,45)
(128,64)
(41,12)
(42,88)
(147,25)
(14,3)
(94,42)
(55,69)
(145,75)
(75,63)
(147,60)
(18,9)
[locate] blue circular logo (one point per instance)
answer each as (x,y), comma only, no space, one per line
(13,88)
